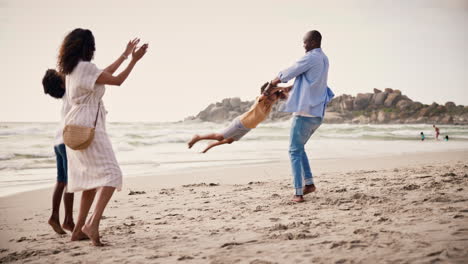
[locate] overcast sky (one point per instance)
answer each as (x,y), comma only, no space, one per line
(203,51)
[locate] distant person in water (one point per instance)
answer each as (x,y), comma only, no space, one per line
(437,132)
(422,136)
(54,85)
(244,123)
(446,138)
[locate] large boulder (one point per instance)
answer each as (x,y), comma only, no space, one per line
(347,105)
(424,112)
(204,115)
(373,117)
(362,101)
(403,105)
(392,99)
(218,114)
(416,106)
(447,119)
(232,115)
(333,118)
(388,90)
(362,119)
(235,102)
(226,103)
(342,104)
(382,117)
(379,98)
(450,105)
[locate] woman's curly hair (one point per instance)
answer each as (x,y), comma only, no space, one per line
(77,45)
(53,83)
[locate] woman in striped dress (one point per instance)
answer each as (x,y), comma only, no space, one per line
(94,170)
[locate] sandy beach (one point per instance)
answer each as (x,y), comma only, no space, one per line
(410,208)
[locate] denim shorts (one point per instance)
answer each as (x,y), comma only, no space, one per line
(61,158)
(235,130)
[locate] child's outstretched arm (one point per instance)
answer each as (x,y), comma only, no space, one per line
(214,144)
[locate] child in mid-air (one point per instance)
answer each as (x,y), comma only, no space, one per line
(422,136)
(250,119)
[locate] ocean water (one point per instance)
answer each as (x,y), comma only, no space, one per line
(27,159)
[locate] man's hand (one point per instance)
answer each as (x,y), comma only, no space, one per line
(287,89)
(275,81)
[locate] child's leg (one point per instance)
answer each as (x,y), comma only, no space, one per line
(68,222)
(213,136)
(54,220)
(224,141)
(68,198)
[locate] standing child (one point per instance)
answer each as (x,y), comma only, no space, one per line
(244,123)
(54,85)
(422,136)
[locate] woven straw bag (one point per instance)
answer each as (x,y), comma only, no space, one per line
(79,137)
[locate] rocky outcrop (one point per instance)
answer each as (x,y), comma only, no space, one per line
(380,107)
(392,107)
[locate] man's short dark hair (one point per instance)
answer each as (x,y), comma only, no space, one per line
(316,36)
(53,83)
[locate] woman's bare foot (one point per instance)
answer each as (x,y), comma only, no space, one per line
(68,226)
(309,189)
(55,224)
(78,235)
(298,199)
(193,141)
(93,234)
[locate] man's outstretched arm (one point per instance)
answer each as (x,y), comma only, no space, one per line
(301,66)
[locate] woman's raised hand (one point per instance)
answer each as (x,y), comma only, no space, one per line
(137,54)
(131,46)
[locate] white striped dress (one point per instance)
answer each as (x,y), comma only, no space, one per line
(95,166)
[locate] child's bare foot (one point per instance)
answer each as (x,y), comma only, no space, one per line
(68,226)
(93,234)
(55,224)
(309,188)
(298,199)
(193,141)
(78,235)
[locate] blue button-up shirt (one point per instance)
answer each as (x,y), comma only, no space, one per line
(310,93)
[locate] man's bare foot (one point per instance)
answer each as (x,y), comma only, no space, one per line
(55,224)
(298,199)
(78,235)
(68,226)
(309,189)
(93,234)
(193,141)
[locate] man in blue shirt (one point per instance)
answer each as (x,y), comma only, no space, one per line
(307,101)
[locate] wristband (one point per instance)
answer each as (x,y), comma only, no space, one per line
(124,56)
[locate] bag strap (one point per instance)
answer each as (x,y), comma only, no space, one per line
(97,114)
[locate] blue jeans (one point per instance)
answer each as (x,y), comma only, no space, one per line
(62,163)
(302,128)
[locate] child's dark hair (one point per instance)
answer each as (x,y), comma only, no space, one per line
(264,86)
(53,83)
